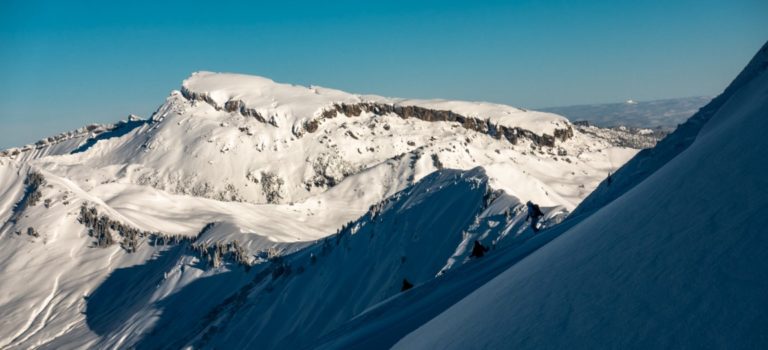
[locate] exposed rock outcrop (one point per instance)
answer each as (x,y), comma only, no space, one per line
(271,185)
(511,134)
(229,106)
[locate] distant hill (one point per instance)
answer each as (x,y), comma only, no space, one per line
(665,114)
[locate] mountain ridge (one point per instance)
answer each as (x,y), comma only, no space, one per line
(198,194)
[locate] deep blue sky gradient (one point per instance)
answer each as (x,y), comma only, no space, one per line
(64,64)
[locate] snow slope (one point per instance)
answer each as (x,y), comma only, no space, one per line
(675,261)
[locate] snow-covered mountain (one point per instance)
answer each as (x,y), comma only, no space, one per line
(251,214)
(245,206)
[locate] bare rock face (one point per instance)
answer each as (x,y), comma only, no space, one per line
(272,185)
(329,170)
(239,107)
(195,96)
(232,106)
(511,134)
(564,134)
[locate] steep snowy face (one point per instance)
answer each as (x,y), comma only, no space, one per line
(677,260)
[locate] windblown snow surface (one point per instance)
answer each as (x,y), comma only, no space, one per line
(252,214)
(672,256)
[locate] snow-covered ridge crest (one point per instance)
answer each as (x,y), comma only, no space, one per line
(69,141)
(303,108)
(260,97)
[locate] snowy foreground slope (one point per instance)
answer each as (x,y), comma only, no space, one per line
(248,213)
(673,255)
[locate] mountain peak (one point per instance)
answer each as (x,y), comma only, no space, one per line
(263,97)
(228,86)
(296,105)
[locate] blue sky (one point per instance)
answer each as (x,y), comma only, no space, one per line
(64,64)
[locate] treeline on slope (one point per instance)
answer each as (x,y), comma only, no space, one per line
(32,195)
(34,181)
(101,228)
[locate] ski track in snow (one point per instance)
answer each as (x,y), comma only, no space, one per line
(108,265)
(66,329)
(47,307)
